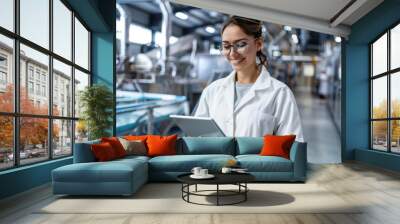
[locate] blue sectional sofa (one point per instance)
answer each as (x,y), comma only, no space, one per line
(125,176)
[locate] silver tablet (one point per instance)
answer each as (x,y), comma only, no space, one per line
(198,126)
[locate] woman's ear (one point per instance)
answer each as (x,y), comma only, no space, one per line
(260,43)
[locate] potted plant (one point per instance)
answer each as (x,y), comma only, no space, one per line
(96,102)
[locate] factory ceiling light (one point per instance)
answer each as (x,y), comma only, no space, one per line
(210,29)
(287,28)
(181,15)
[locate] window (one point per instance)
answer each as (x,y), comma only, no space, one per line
(45,131)
(62,29)
(6,74)
(44,91)
(62,140)
(160,40)
(139,34)
(81,81)
(7,14)
(30,87)
(3,61)
(34,21)
(30,72)
(3,78)
(385,96)
(81,45)
(38,89)
(37,74)
(62,74)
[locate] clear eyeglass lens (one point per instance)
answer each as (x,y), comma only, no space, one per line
(239,47)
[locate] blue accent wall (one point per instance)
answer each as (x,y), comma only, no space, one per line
(99,16)
(24,178)
(103,61)
(355,55)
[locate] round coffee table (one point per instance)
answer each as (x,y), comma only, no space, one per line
(238,179)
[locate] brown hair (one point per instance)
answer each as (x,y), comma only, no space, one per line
(250,27)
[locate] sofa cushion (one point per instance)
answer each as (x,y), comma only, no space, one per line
(185,163)
(116,145)
(207,145)
(257,163)
(161,145)
(103,152)
(249,145)
(112,171)
(134,147)
(277,145)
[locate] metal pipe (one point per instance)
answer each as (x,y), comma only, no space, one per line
(166,26)
(124,36)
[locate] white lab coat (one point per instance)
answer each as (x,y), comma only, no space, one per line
(269,107)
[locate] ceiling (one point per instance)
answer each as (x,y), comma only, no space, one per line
(326,16)
(197,20)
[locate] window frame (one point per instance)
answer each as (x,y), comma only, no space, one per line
(16,114)
(388,74)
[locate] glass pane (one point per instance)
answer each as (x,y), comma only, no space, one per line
(395,47)
(34,97)
(139,34)
(81,131)
(379,135)
(35,21)
(62,89)
(62,29)
(379,98)
(33,139)
(395,94)
(395,136)
(6,142)
(6,74)
(81,81)
(62,138)
(81,45)
(7,14)
(379,55)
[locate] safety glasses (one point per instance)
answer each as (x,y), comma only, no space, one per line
(239,47)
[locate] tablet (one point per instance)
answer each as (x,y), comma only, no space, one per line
(198,126)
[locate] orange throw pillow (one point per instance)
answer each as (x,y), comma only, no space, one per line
(103,151)
(116,145)
(161,145)
(275,145)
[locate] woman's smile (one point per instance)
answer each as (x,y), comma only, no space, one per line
(236,61)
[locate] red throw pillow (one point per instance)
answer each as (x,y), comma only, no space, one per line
(116,145)
(275,145)
(103,151)
(161,145)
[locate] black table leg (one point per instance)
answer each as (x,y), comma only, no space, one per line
(245,193)
(196,188)
(217,194)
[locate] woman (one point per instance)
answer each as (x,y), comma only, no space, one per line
(249,102)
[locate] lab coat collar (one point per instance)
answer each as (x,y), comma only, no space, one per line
(263,81)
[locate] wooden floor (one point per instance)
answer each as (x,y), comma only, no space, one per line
(377,188)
